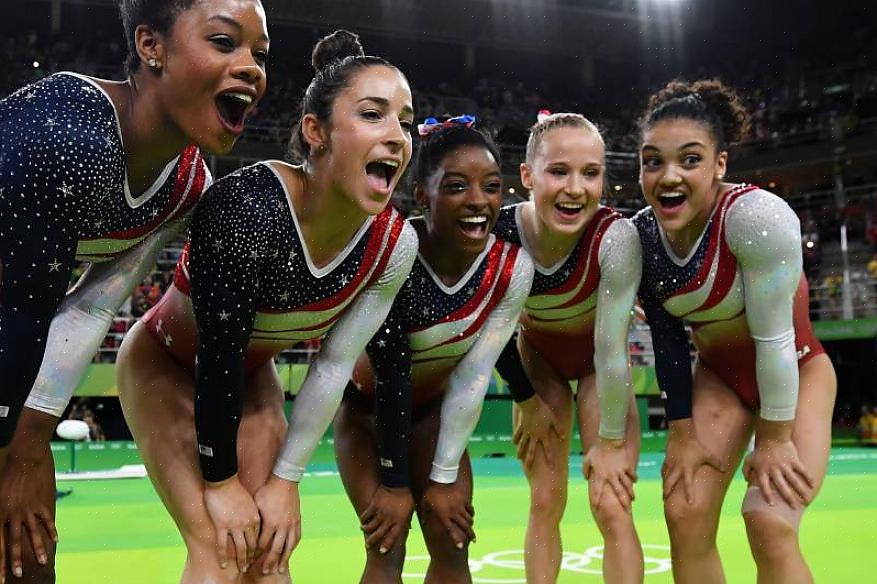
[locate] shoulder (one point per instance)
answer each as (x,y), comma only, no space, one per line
(758,219)
(507,224)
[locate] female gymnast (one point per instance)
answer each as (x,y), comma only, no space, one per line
(278,254)
(104,172)
(726,258)
(433,359)
(574,327)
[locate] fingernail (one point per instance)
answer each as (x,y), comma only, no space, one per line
(17,571)
(383,550)
(459,545)
(223,565)
(42,559)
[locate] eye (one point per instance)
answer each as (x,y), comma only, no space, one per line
(261,57)
(494,187)
(557,171)
(651,162)
(406,124)
(225,42)
(372,115)
(455,186)
(592,172)
(690,159)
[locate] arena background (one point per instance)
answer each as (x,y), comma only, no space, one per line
(809,75)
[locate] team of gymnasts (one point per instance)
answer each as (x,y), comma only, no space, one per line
(413,314)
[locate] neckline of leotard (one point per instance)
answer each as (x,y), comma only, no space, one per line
(525,243)
(464,279)
(342,255)
(682,262)
(142,198)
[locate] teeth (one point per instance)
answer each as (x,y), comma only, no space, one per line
(393,163)
(566,205)
(674,195)
(247,99)
(474,219)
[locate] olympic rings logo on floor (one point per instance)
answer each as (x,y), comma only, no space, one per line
(507,567)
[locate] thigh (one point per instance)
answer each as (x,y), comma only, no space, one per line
(588,413)
(263,427)
(356,451)
(723,425)
(812,430)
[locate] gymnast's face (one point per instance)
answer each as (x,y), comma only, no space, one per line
(565,178)
(680,173)
(368,142)
(212,70)
(463,196)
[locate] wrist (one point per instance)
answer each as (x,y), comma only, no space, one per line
(683,428)
(770,431)
(223,483)
(280,482)
(611,443)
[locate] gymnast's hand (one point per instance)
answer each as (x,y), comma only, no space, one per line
(608,462)
(387,517)
(234,516)
(536,425)
(685,455)
(280,509)
(453,510)
(775,464)
(26,491)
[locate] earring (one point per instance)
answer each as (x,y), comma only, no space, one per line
(153,63)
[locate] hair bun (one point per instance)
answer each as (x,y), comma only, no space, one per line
(335,47)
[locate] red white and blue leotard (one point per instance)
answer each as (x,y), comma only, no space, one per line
(742,291)
(255,291)
(64,198)
(578,313)
(443,341)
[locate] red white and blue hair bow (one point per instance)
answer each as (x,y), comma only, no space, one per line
(431,125)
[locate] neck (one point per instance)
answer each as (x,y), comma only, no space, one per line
(448,263)
(549,246)
(327,218)
(682,241)
(151,139)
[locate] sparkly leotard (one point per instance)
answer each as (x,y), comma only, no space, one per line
(578,312)
(442,340)
(742,290)
(64,198)
(255,291)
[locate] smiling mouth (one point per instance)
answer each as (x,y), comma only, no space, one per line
(671,200)
(381,173)
(568,209)
(474,225)
(233,108)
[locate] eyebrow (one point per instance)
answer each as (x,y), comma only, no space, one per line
(690,144)
(383,101)
(234,23)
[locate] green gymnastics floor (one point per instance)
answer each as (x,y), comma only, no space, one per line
(116,531)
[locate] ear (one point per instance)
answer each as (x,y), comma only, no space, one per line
(721,165)
(420,196)
(149,45)
(526,176)
(314,132)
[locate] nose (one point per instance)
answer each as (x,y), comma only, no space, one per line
(478,199)
(396,135)
(576,185)
(248,70)
(671,177)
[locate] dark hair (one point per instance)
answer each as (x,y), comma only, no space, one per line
(437,144)
(335,59)
(159,15)
(708,101)
(552,122)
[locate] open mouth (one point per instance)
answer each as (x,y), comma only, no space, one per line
(671,200)
(233,107)
(474,225)
(568,209)
(380,173)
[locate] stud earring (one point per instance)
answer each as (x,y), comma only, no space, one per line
(153,63)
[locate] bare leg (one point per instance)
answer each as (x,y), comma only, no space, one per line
(622,552)
(724,426)
(774,541)
(356,453)
(548,483)
(447,564)
(157,399)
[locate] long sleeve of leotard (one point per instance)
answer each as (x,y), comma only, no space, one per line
(620,271)
(765,236)
(511,369)
(468,382)
(672,359)
(37,239)
(390,355)
(86,315)
(228,240)
(321,392)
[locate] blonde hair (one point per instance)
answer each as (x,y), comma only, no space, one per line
(552,122)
